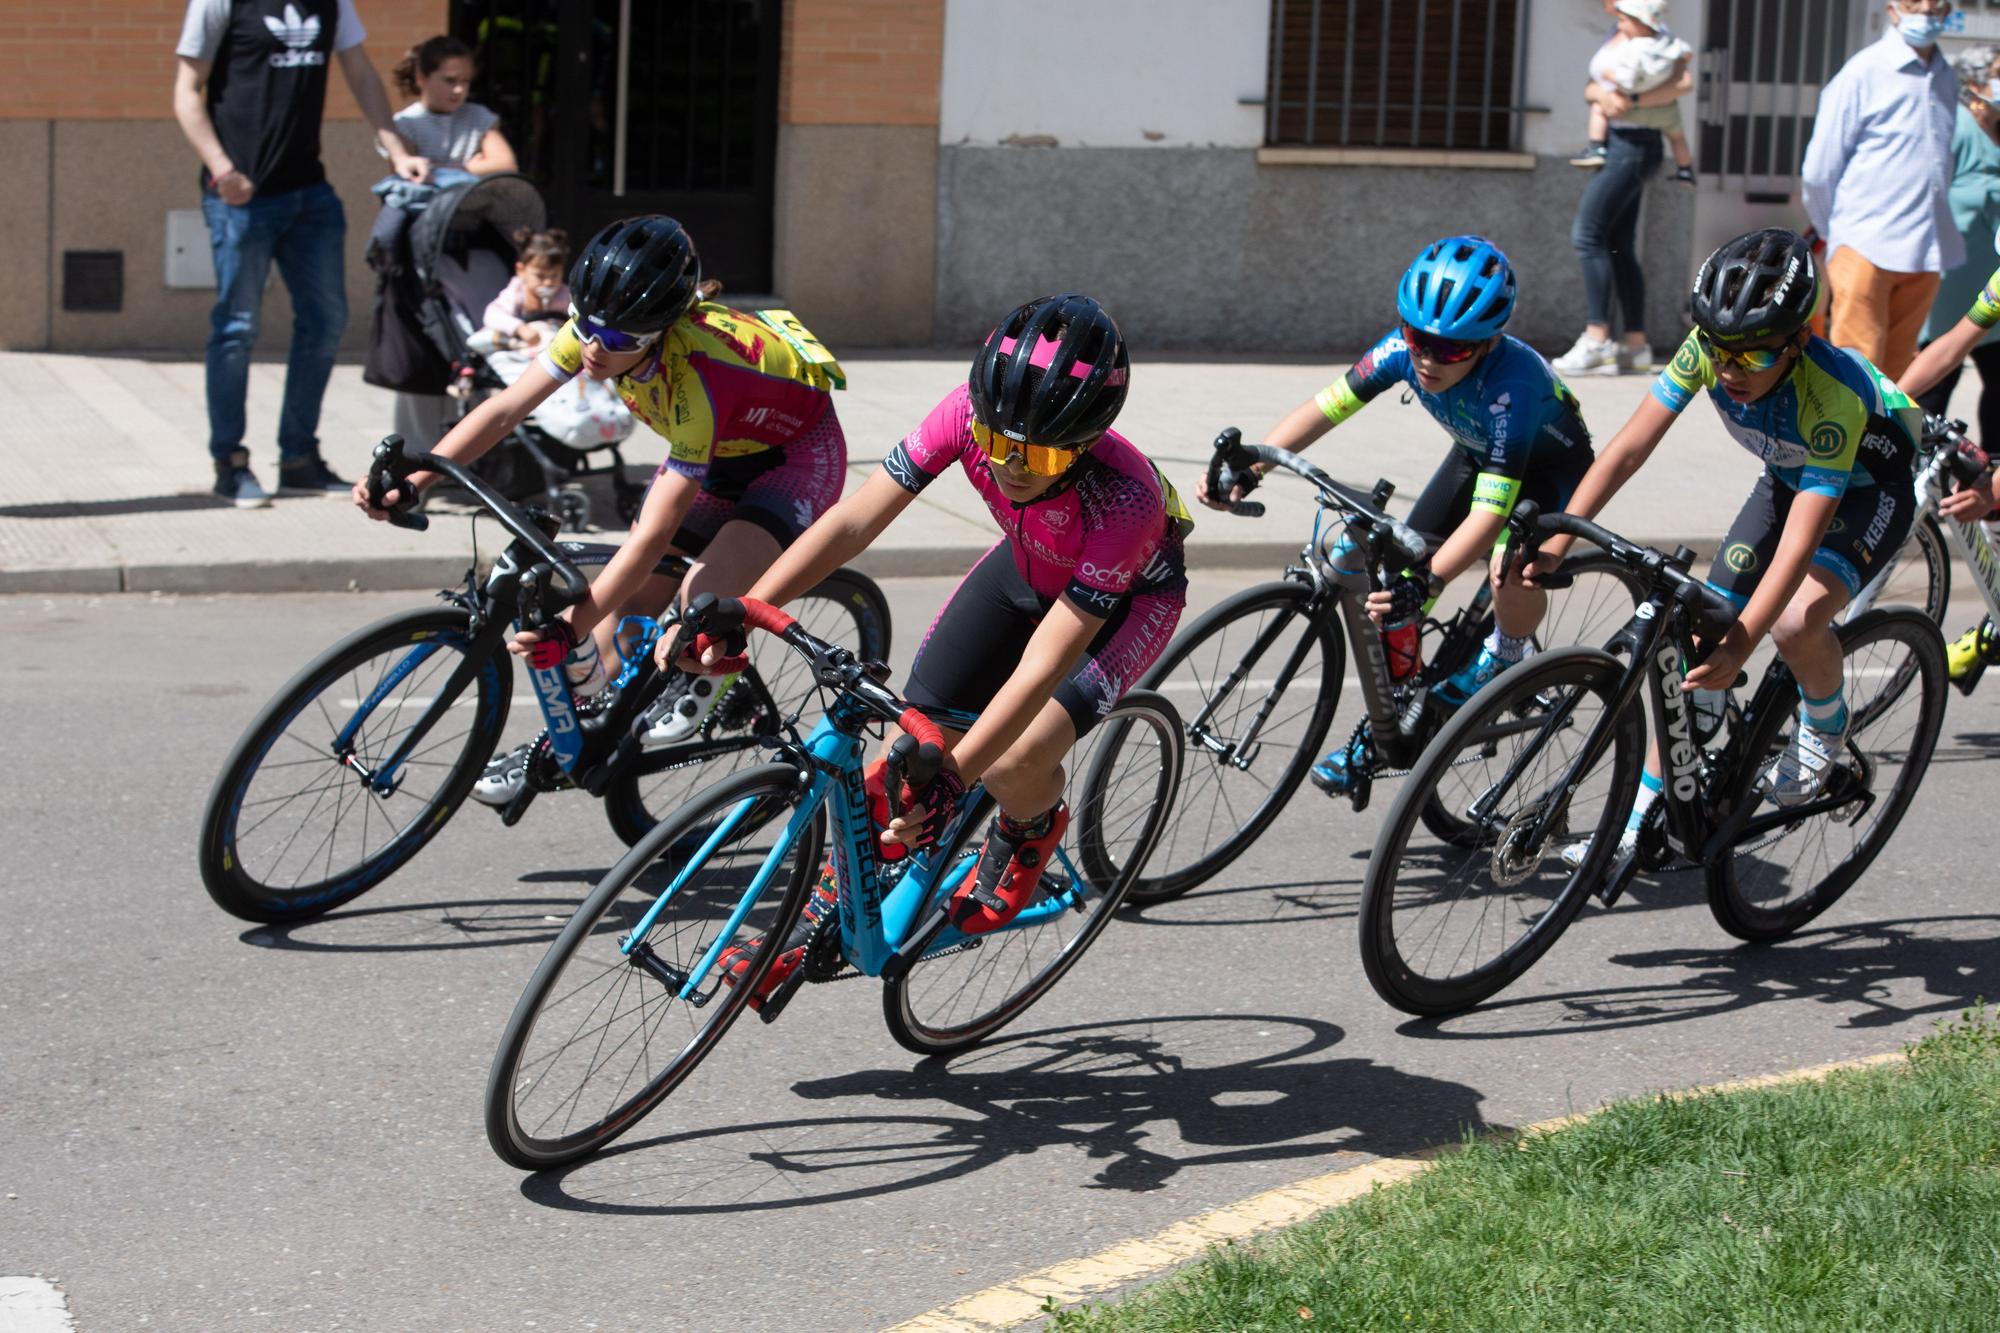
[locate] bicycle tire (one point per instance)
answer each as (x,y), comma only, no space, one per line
(538,1091)
(1399,949)
(1198,666)
(657,785)
(1736,886)
(1927,539)
(942,1004)
(240,869)
(1585,616)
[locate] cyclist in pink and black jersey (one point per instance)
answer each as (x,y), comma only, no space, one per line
(1057,620)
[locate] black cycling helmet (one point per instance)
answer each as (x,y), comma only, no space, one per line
(1053,372)
(1761,285)
(637,275)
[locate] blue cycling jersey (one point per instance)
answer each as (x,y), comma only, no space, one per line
(1512,410)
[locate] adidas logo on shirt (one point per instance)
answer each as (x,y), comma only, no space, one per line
(298,32)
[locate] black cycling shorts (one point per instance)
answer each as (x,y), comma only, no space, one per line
(1447,497)
(976,642)
(1870,525)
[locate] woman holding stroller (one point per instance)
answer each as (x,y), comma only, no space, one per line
(755,452)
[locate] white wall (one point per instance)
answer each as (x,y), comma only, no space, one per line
(1105,73)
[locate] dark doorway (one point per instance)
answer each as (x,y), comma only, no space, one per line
(618,107)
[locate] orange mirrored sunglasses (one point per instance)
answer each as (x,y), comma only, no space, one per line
(1044,460)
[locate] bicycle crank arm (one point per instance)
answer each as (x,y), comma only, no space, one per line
(510,813)
(775,1002)
(911,949)
(1623,872)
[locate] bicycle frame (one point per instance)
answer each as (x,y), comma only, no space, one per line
(879,913)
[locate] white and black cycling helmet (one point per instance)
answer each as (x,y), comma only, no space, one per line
(637,275)
(1053,372)
(1761,285)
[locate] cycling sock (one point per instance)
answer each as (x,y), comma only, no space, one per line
(1506,647)
(1829,714)
(1034,828)
(1650,788)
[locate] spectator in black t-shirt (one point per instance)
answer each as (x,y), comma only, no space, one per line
(249,93)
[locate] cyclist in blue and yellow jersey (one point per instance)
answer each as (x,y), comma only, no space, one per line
(755,453)
(1516,433)
(1838,443)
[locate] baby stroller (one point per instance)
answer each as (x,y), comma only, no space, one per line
(461,254)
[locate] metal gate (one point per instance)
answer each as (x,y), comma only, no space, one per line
(617,107)
(1762,65)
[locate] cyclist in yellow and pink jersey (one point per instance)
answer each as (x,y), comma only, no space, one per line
(755,453)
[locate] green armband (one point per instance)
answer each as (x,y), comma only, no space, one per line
(1339,401)
(1495,494)
(1985,311)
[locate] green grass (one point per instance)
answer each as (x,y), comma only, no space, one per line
(1870,1200)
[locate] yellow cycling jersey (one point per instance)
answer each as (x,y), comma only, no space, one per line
(721,384)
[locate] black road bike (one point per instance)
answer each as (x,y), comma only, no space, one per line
(1257,678)
(1543,766)
(363,756)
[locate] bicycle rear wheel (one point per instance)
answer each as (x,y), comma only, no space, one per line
(603,1033)
(848,609)
(1121,780)
(292,827)
(1783,872)
(1444,925)
(1258,659)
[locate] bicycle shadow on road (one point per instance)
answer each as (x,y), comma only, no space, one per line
(1146,1098)
(1295,900)
(460,923)
(1863,966)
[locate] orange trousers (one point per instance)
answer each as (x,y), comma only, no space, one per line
(1877,311)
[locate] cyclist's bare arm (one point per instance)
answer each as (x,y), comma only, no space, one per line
(841,533)
(668,500)
(1626,454)
(483,427)
(1940,358)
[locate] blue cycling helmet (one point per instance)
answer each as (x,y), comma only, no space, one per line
(1461,287)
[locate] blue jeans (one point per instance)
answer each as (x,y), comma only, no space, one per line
(304,232)
(1607,226)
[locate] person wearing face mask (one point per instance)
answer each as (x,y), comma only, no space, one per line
(1876,183)
(1975,211)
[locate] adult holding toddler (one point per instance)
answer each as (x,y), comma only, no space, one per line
(1607,219)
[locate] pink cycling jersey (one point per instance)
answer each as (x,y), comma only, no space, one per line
(1108,532)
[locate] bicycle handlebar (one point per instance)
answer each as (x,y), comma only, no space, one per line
(1712,613)
(390,470)
(1233,461)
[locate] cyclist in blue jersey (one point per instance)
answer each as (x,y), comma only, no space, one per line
(1516,432)
(1838,442)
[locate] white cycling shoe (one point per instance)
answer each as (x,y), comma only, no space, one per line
(1574,854)
(681,717)
(1803,767)
(504,777)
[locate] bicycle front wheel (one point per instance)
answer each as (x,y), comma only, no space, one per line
(1121,781)
(629,999)
(848,609)
(294,826)
(1444,925)
(1255,680)
(1784,870)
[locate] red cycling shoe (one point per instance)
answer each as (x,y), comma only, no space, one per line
(735,960)
(1010,865)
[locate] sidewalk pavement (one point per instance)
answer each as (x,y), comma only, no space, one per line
(107,473)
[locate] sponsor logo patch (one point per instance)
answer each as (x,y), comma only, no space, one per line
(1740,557)
(1829,440)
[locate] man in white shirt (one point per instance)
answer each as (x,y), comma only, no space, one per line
(1875,180)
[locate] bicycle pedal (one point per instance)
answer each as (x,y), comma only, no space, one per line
(510,813)
(775,1002)
(1364,788)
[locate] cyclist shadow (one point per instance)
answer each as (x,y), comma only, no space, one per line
(1863,966)
(461,923)
(1970,747)
(1107,1089)
(1297,900)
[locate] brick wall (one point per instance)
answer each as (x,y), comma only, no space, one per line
(861,62)
(114,59)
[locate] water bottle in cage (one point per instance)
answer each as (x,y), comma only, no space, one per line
(585,667)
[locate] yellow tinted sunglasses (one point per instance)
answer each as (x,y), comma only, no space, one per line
(1756,360)
(1044,460)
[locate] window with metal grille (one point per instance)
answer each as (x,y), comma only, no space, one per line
(1395,74)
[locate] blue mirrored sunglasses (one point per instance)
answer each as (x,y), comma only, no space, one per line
(611,340)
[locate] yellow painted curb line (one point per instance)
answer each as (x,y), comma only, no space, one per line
(1073,1281)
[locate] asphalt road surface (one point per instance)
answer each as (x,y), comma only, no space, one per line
(209,1126)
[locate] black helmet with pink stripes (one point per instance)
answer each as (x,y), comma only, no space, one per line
(1053,373)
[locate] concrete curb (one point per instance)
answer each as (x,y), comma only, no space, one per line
(1027,1299)
(385,573)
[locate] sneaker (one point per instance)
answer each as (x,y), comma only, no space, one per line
(1684,176)
(311,476)
(679,717)
(1590,356)
(1010,865)
(1798,773)
(1336,774)
(736,959)
(1470,679)
(234,483)
(504,777)
(1635,360)
(1593,155)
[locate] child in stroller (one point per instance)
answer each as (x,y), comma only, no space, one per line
(468,249)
